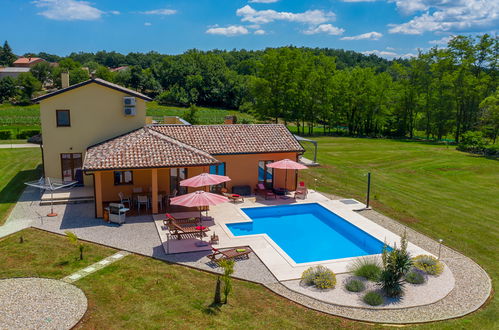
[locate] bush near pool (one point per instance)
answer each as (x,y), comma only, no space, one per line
(319,276)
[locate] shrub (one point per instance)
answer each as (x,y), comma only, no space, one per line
(354,285)
(492,150)
(373,298)
(320,276)
(5,135)
(27,134)
(367,267)
(414,277)
(396,264)
(428,264)
(472,142)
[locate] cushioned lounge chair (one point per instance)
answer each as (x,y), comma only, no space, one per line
(181,232)
(301,190)
(233,253)
(261,190)
(233,197)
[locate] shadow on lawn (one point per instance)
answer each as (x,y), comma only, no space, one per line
(11,192)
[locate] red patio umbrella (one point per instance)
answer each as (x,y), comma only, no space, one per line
(287,164)
(198,199)
(204,179)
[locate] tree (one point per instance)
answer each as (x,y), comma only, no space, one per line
(490,115)
(7,88)
(396,264)
(73,239)
(7,57)
(42,71)
(228,267)
(28,84)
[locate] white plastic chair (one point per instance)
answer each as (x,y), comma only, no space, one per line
(142,200)
(125,199)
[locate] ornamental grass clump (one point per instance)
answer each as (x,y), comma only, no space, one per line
(320,277)
(373,298)
(354,285)
(367,267)
(428,264)
(414,276)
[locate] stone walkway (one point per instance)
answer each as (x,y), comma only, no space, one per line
(95,267)
(40,303)
(19,145)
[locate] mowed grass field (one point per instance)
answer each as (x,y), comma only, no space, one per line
(16,167)
(434,189)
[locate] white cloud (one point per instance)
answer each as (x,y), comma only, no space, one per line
(114,12)
(443,41)
(260,32)
(163,12)
(391,48)
(390,55)
(68,10)
(313,17)
(229,31)
(359,0)
(324,28)
(263,1)
(369,35)
(446,15)
(147,24)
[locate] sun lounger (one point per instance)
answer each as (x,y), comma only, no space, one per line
(181,232)
(301,190)
(233,197)
(190,218)
(238,252)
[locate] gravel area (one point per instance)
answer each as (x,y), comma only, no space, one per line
(40,303)
(434,289)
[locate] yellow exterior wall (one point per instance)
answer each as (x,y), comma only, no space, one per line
(96,114)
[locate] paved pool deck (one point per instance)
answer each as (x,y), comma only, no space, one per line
(140,235)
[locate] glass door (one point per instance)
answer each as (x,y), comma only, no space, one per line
(71,167)
(218,169)
(177,175)
(266,174)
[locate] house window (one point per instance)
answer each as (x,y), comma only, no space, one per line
(218,169)
(123,177)
(63,118)
(266,174)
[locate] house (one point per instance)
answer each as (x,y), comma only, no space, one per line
(12,72)
(27,62)
(93,133)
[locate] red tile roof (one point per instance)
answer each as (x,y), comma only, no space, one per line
(234,139)
(143,148)
(27,60)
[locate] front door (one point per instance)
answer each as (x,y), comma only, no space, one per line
(266,174)
(177,175)
(71,167)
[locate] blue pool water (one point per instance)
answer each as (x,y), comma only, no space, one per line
(308,232)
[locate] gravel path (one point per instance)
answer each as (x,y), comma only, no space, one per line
(40,303)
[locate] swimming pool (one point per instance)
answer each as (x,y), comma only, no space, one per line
(308,232)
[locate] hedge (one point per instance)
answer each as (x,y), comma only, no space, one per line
(5,135)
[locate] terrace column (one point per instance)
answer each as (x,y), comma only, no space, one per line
(99,211)
(154,192)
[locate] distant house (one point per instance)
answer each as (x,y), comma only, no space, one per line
(119,69)
(27,62)
(12,72)
(95,132)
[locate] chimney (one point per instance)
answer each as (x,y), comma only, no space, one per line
(229,120)
(64,79)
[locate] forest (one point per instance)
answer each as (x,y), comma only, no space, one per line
(443,93)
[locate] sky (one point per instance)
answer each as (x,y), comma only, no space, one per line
(388,28)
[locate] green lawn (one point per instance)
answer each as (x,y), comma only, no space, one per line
(143,293)
(434,189)
(45,255)
(16,167)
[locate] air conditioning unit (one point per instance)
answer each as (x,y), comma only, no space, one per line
(129,111)
(128,100)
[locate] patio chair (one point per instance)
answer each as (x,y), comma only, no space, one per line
(233,197)
(179,231)
(261,190)
(233,253)
(301,190)
(125,199)
(142,200)
(173,194)
(137,190)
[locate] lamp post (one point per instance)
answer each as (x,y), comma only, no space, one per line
(439,247)
(315,187)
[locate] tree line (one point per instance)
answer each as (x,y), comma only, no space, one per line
(440,93)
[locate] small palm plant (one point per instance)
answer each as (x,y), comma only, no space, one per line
(228,266)
(396,264)
(76,242)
